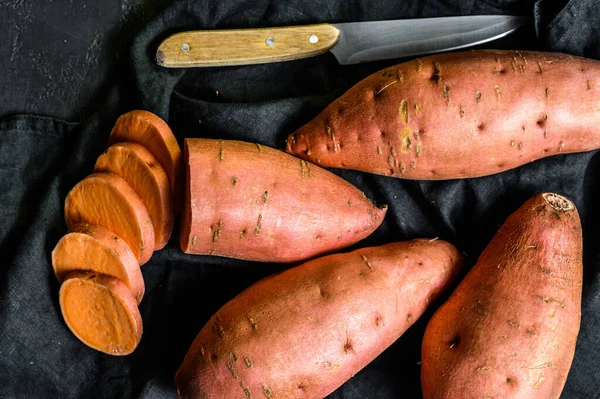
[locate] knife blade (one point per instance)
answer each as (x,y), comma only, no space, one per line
(350,43)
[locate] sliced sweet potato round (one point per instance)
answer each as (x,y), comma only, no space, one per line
(134,163)
(96,249)
(101,311)
(106,200)
(152,132)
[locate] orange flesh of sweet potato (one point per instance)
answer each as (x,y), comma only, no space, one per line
(253,202)
(140,169)
(94,248)
(107,200)
(101,311)
(304,332)
(152,132)
(458,115)
(509,329)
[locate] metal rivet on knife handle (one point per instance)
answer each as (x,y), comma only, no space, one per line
(270,41)
(185,47)
(313,39)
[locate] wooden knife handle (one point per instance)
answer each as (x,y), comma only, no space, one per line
(245,46)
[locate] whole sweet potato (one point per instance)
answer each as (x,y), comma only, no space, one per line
(458,115)
(253,202)
(304,332)
(509,329)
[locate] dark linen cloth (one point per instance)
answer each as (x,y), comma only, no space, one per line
(42,157)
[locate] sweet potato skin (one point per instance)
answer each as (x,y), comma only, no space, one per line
(509,329)
(304,332)
(458,115)
(252,202)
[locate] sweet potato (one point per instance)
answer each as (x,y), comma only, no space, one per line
(253,202)
(458,115)
(106,200)
(94,248)
(140,169)
(152,132)
(509,329)
(101,311)
(304,332)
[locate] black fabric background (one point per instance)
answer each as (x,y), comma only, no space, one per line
(89,62)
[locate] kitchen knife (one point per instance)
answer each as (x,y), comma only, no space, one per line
(350,43)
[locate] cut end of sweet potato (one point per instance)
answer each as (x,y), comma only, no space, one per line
(558,202)
(96,249)
(149,130)
(185,221)
(102,312)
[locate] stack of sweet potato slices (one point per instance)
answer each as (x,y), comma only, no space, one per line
(117,217)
